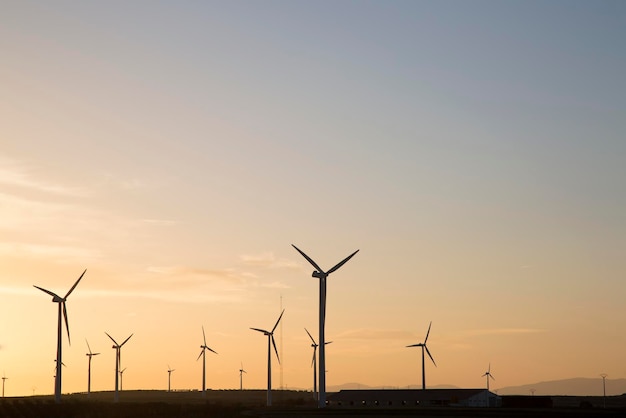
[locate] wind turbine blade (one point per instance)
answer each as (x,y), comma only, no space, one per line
(126,340)
(327,342)
(67,325)
(313,359)
(309,259)
(431,357)
(489,368)
(307,331)
(484,375)
(54,295)
(281,315)
(345,260)
(200,355)
(95,354)
(492,376)
(428,332)
(414,345)
(75,284)
(115,342)
(275,349)
(203,335)
(260,330)
(88,346)
(211,350)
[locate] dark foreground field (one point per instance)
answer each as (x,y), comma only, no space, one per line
(230,404)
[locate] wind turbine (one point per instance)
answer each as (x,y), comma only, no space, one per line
(488,375)
(4,377)
(241,372)
(203,355)
(62,312)
(424,347)
(169,377)
(118,361)
(122,379)
(90,355)
(314,363)
(322,275)
(270,342)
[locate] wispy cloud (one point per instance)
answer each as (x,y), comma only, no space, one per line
(193,275)
(269,260)
(160,222)
(377,334)
(59,252)
(20,175)
(505,331)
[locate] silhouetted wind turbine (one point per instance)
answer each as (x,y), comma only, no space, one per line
(488,375)
(322,275)
(62,312)
(424,347)
(90,355)
(122,379)
(4,377)
(169,377)
(314,363)
(203,355)
(241,372)
(118,363)
(270,342)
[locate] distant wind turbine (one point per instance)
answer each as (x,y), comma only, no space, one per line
(488,375)
(424,347)
(90,355)
(118,363)
(62,312)
(314,363)
(322,275)
(203,355)
(169,377)
(241,372)
(122,379)
(270,342)
(4,377)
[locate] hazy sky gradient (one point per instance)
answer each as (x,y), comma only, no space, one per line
(473,151)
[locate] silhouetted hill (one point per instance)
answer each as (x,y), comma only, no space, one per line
(356,386)
(581,386)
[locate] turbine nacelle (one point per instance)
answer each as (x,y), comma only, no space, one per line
(319,275)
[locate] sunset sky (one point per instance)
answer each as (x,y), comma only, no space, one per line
(473,151)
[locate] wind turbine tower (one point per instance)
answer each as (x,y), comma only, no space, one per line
(122,379)
(203,355)
(89,355)
(424,347)
(241,372)
(270,342)
(4,377)
(314,363)
(62,312)
(488,375)
(118,361)
(169,377)
(322,275)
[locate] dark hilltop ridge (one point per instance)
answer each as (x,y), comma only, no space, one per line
(287,404)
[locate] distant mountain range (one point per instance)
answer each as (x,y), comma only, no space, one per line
(581,386)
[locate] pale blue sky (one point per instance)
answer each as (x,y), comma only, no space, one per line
(473,151)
